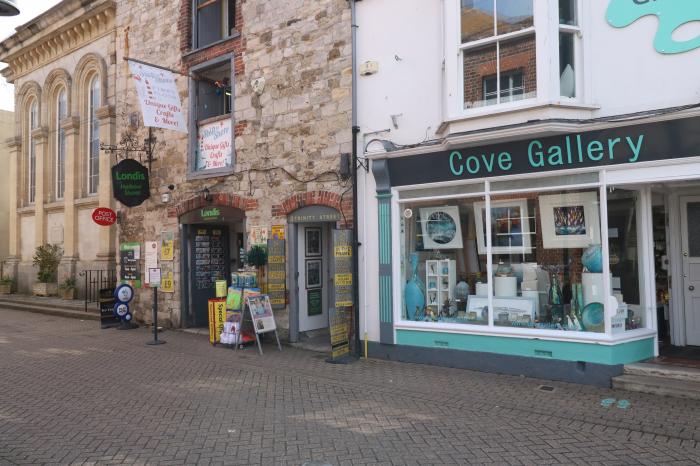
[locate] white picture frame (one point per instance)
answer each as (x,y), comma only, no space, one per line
(570,220)
(441,227)
(523,241)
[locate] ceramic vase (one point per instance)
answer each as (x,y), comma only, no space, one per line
(414,294)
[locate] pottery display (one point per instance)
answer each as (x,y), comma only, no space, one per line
(593,317)
(414,295)
(462,291)
(592,259)
(504,270)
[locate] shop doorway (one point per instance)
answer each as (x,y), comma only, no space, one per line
(212,243)
(690,247)
(315,280)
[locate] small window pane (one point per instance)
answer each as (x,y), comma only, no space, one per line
(61,145)
(514,15)
(567,12)
(567,65)
(94,141)
(480,77)
(693,229)
(518,63)
(477,19)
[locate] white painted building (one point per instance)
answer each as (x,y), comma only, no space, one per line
(509,143)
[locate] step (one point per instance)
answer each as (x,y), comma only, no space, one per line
(691,374)
(658,386)
(70,305)
(48,309)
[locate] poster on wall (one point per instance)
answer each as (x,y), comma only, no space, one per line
(150,259)
(258,236)
(341,313)
(277,232)
(167,246)
(158,96)
(168,282)
(441,227)
(277,273)
(214,148)
(129,259)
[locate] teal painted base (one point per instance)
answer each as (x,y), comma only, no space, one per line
(624,353)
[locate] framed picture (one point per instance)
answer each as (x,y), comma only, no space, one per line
(441,227)
(314,277)
(510,227)
(313,242)
(570,220)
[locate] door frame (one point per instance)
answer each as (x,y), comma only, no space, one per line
(682,320)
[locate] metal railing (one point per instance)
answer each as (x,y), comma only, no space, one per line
(95,280)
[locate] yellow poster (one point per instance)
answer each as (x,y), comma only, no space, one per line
(217,317)
(167,283)
(166,250)
(277,231)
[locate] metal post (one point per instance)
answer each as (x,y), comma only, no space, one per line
(155,341)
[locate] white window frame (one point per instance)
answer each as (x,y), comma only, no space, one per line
(93,134)
(31,152)
(230,33)
(60,179)
(546,26)
(577,33)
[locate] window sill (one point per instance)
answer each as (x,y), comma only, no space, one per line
(533,334)
(214,173)
(520,106)
(214,119)
(55,205)
(92,199)
(233,36)
(28,210)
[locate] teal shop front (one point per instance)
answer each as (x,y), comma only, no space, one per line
(546,257)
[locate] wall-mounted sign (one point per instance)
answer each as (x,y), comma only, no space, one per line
(314,214)
(258,236)
(159,98)
(167,284)
(277,232)
(129,258)
(167,246)
(277,273)
(672,14)
(212,214)
(214,148)
(150,259)
(625,145)
(341,313)
(104,216)
(154,278)
(130,183)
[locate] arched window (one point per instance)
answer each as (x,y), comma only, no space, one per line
(61,113)
(94,137)
(33,123)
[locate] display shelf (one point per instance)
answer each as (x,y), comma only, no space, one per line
(440,281)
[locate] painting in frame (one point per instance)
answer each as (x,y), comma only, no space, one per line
(510,227)
(441,227)
(570,220)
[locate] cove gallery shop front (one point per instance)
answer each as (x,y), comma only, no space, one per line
(561,257)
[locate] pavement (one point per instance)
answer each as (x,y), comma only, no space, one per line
(71,393)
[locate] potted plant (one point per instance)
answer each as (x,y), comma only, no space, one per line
(46,259)
(6,285)
(67,288)
(257,256)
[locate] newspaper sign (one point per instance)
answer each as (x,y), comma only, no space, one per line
(214,147)
(277,273)
(341,312)
(261,313)
(159,98)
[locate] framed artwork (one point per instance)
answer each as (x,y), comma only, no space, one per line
(570,220)
(314,277)
(441,227)
(313,242)
(510,227)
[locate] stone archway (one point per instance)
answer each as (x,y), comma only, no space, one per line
(219,199)
(342,204)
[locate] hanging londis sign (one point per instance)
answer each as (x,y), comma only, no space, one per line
(130,183)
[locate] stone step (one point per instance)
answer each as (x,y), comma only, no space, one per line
(658,386)
(690,374)
(50,307)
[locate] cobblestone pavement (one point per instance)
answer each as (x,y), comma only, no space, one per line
(71,393)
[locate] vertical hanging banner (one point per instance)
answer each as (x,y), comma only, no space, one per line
(277,273)
(341,312)
(159,98)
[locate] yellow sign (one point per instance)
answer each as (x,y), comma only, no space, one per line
(277,232)
(343,303)
(343,251)
(167,250)
(221,288)
(343,279)
(167,283)
(276,287)
(277,275)
(276,259)
(217,317)
(280,301)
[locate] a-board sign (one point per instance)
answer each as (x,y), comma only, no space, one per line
(261,313)
(104,216)
(107,302)
(130,183)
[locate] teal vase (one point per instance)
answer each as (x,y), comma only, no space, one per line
(555,290)
(414,293)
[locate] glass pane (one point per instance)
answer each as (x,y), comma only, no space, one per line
(693,228)
(444,276)
(210,19)
(479,69)
(545,182)
(567,12)
(514,15)
(477,19)
(539,241)
(625,260)
(471,188)
(567,65)
(518,69)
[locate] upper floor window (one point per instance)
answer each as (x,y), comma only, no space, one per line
(498,51)
(213,20)
(569,46)
(93,168)
(61,113)
(33,124)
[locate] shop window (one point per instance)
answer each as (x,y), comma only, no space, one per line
(624,245)
(33,123)
(212,110)
(498,51)
(93,150)
(61,113)
(569,33)
(213,21)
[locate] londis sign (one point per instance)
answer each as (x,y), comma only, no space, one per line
(625,145)
(130,182)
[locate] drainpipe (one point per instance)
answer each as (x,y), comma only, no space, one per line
(355,217)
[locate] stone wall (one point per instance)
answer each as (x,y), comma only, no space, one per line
(289,136)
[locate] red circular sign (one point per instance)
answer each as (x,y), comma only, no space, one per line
(104,216)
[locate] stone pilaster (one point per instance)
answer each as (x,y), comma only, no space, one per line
(14,146)
(71,126)
(106,116)
(40,138)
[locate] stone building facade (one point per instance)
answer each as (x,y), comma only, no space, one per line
(7,131)
(277,74)
(62,64)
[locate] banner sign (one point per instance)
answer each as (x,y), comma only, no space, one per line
(129,258)
(277,273)
(341,312)
(130,184)
(625,145)
(159,98)
(214,148)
